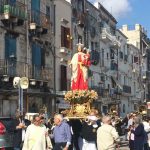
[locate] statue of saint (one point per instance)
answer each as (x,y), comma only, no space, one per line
(79,64)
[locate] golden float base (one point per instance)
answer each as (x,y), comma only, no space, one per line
(78,111)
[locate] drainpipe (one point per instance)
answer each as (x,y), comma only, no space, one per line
(54,54)
(27,51)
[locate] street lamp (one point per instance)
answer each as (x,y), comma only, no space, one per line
(21,84)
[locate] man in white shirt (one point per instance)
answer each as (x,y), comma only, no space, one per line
(36,135)
(107,135)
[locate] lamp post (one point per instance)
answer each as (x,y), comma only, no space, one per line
(21,84)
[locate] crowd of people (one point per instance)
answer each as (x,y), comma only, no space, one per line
(91,133)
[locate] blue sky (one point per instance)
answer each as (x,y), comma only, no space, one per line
(129,11)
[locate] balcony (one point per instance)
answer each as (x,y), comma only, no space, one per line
(40,73)
(95,58)
(81,19)
(127,89)
(106,36)
(99,90)
(115,42)
(12,11)
(115,91)
(146,75)
(114,66)
(20,69)
(39,21)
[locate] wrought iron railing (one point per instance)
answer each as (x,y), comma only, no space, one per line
(15,68)
(107,34)
(15,9)
(39,18)
(127,89)
(98,89)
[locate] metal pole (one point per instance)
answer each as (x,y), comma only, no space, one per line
(20,100)
(27,52)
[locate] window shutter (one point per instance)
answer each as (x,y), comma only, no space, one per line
(35,7)
(63,80)
(10,46)
(67,37)
(6,47)
(36,55)
(12,50)
(62,37)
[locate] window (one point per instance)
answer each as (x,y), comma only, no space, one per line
(107,56)
(134,88)
(10,46)
(35,13)
(102,58)
(123,108)
(124,80)
(63,78)
(135,59)
(36,54)
(47,10)
(36,60)
(92,46)
(65,37)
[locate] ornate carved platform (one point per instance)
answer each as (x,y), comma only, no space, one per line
(78,110)
(80,101)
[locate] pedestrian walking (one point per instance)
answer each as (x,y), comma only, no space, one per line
(130,137)
(147,130)
(107,135)
(35,138)
(18,127)
(89,133)
(61,133)
(139,134)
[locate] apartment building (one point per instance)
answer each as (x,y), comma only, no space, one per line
(63,50)
(111,70)
(26,50)
(39,38)
(137,36)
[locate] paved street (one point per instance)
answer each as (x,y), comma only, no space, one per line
(123,145)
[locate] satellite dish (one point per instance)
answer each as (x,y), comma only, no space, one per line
(16,82)
(24,83)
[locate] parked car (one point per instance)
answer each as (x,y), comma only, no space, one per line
(6,133)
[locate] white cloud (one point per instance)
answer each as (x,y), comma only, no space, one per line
(118,8)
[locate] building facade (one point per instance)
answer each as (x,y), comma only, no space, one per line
(26,50)
(137,36)
(38,39)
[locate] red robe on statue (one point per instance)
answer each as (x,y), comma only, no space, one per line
(80,64)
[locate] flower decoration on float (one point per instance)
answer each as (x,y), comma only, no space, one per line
(80,96)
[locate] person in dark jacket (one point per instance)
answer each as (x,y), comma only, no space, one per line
(17,128)
(139,134)
(89,133)
(20,123)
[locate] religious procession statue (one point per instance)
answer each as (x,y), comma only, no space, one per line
(80,97)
